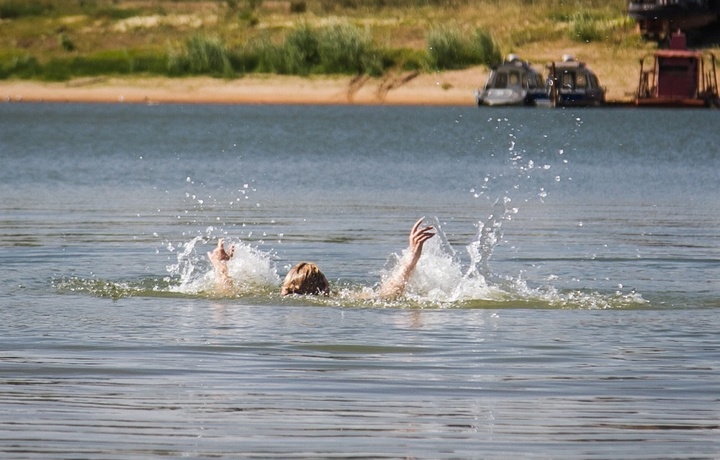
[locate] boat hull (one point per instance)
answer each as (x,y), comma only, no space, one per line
(674,103)
(507,97)
(501,97)
(580,100)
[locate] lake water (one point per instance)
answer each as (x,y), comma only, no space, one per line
(569,307)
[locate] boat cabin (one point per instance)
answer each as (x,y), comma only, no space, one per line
(514,82)
(572,83)
(678,77)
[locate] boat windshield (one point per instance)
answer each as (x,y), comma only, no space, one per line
(533,80)
(580,80)
(515,78)
(593,81)
(501,80)
(504,79)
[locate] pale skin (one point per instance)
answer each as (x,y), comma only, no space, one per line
(219,258)
(392,287)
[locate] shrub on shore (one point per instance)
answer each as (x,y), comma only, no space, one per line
(201,55)
(449,48)
(336,49)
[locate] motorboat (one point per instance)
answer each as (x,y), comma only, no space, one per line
(572,83)
(514,82)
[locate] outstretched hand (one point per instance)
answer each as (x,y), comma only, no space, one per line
(418,236)
(394,285)
(223,282)
(219,253)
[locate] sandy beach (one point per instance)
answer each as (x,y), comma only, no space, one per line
(447,88)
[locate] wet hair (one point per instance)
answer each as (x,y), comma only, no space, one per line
(305,278)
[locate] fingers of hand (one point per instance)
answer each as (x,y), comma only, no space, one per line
(418,240)
(417,224)
(424,232)
(423,239)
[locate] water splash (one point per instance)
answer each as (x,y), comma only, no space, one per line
(251,269)
(442,280)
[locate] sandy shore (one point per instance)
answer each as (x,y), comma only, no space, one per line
(441,88)
(447,88)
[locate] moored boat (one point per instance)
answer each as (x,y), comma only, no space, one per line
(678,78)
(572,83)
(514,82)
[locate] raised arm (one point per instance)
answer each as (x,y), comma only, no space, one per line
(219,258)
(394,285)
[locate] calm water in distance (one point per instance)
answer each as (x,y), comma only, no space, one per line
(568,308)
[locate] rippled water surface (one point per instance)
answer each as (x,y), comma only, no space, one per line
(568,307)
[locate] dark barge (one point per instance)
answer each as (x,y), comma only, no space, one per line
(656,19)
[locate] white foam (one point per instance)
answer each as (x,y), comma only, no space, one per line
(249,269)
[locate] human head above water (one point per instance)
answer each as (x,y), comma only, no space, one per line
(305,278)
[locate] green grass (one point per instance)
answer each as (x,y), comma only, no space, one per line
(74,66)
(202,56)
(336,49)
(20,66)
(450,47)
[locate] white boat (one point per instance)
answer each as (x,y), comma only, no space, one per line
(514,82)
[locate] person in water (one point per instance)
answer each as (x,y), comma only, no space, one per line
(306,278)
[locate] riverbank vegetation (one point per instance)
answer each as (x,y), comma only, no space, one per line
(56,40)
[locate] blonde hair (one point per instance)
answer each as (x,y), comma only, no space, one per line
(305,278)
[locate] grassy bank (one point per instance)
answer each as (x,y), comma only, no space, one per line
(57,40)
